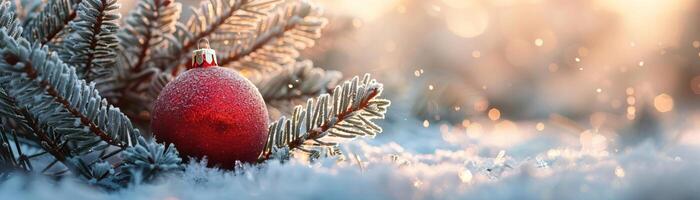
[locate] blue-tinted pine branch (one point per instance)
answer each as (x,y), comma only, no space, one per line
(148,159)
(18,118)
(71,121)
(90,47)
(147,29)
(51,21)
(8,20)
(52,92)
(24,8)
(11,156)
(10,116)
(13,117)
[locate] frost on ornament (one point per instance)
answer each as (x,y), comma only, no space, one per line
(213,112)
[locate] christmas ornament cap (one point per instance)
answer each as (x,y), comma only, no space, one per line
(203,57)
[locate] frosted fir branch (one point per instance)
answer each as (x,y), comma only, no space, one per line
(9,111)
(147,29)
(329,120)
(10,116)
(8,20)
(40,136)
(217,20)
(51,90)
(129,90)
(276,40)
(47,138)
(26,8)
(90,47)
(265,46)
(71,124)
(51,21)
(100,173)
(143,162)
(22,125)
(214,19)
(148,159)
(64,155)
(158,83)
(293,85)
(11,156)
(14,117)
(300,80)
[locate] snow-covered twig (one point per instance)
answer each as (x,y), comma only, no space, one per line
(323,124)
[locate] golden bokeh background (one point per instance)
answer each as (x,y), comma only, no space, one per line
(602,65)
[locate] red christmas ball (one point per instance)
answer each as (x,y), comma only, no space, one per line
(211,111)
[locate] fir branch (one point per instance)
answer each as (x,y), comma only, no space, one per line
(65,114)
(91,45)
(297,81)
(292,85)
(318,128)
(8,20)
(217,20)
(47,138)
(147,29)
(25,8)
(143,162)
(52,20)
(41,136)
(158,83)
(214,19)
(101,173)
(147,159)
(51,91)
(263,44)
(13,117)
(277,39)
(11,156)
(10,116)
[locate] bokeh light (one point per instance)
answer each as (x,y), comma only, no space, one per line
(663,103)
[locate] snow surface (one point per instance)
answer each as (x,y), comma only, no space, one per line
(492,160)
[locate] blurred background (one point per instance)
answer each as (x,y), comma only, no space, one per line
(620,70)
(624,70)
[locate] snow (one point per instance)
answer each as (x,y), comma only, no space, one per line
(438,162)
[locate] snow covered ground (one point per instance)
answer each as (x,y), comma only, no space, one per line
(481,160)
